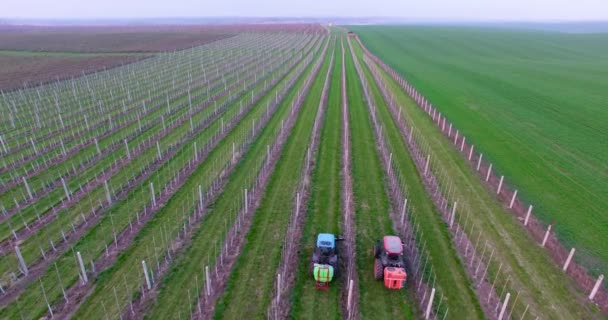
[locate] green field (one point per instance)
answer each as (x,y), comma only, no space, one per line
(533,103)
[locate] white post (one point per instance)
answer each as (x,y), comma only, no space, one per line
(513,200)
(546,235)
(158,150)
(489,172)
(108,196)
(462,144)
(596,287)
(27,186)
(411,133)
(97,146)
(127,147)
(471,152)
(195,152)
(504,306)
(569,259)
(390,159)
(246,202)
(34,146)
(502,178)
(278,288)
(427,314)
(208,280)
(233,153)
(82,269)
(403,211)
(65,188)
(200,196)
(153,195)
(148,283)
(426,166)
(456,137)
(528,215)
(21,261)
(453,214)
(350,295)
(479,161)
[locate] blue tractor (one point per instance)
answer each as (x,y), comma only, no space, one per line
(324,262)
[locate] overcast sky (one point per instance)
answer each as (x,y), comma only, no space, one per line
(503,10)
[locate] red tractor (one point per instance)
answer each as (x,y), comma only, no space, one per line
(389,264)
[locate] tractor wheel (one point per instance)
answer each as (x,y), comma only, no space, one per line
(376,250)
(378,270)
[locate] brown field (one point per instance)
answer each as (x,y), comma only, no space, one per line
(129,38)
(19,70)
(106,39)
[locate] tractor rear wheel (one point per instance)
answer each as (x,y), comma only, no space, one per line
(378,270)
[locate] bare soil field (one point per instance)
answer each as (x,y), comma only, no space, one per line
(129,38)
(17,71)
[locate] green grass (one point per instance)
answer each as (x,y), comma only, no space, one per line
(323,213)
(540,283)
(249,288)
(372,219)
(533,103)
(460,297)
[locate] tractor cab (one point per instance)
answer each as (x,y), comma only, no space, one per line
(394,249)
(389,264)
(326,242)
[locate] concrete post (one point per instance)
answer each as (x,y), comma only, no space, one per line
(65,189)
(85,279)
(596,287)
(350,295)
(502,178)
(208,280)
(528,215)
(152,193)
(479,161)
(34,146)
(403,210)
(200,196)
(108,195)
(489,172)
(97,146)
(21,261)
(462,144)
(471,152)
(27,187)
(158,150)
(426,166)
(427,314)
(546,235)
(513,200)
(278,288)
(127,147)
(504,306)
(148,283)
(246,201)
(452,217)
(195,152)
(569,259)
